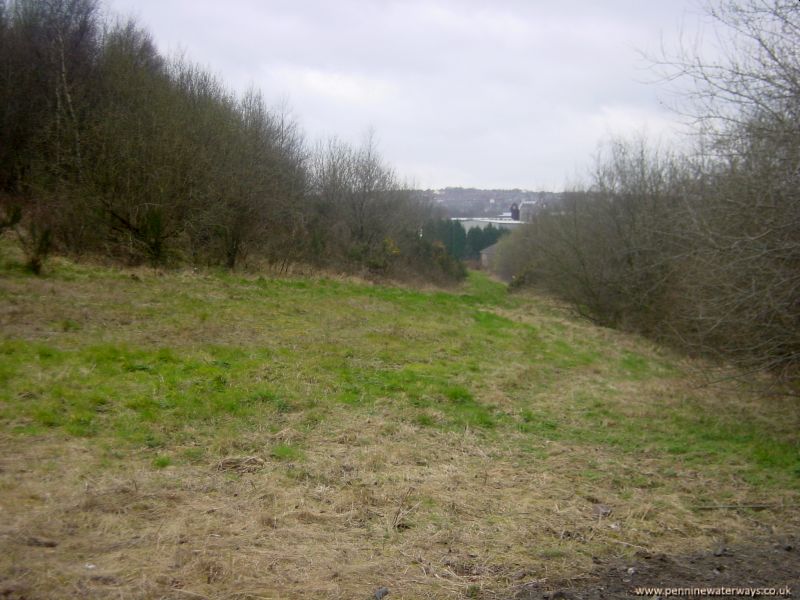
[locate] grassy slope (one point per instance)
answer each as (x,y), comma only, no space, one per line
(444,444)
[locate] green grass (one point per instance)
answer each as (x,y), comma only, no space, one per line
(161,462)
(355,430)
(166,363)
(286,452)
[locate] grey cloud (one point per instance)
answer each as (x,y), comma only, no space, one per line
(512,94)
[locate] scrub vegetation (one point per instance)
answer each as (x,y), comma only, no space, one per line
(699,249)
(111,149)
(211,385)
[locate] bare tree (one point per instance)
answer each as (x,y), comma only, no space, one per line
(704,249)
(747,228)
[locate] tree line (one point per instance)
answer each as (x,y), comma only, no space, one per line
(699,248)
(109,148)
(460,243)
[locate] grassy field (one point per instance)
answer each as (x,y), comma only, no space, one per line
(208,435)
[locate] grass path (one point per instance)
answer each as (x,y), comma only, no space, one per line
(211,435)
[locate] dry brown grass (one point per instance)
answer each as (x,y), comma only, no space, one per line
(427,514)
(372,498)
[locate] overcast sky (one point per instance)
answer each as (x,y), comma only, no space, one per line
(485,94)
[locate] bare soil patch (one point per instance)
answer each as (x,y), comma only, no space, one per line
(766,563)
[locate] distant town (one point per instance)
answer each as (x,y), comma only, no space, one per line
(476,206)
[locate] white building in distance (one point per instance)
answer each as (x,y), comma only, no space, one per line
(497,222)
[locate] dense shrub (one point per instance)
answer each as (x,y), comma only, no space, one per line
(702,250)
(144,159)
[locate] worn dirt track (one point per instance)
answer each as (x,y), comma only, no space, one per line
(772,562)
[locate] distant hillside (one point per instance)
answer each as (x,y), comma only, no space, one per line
(472,202)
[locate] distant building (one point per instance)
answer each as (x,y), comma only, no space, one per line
(515,212)
(528,209)
(483,223)
(545,201)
